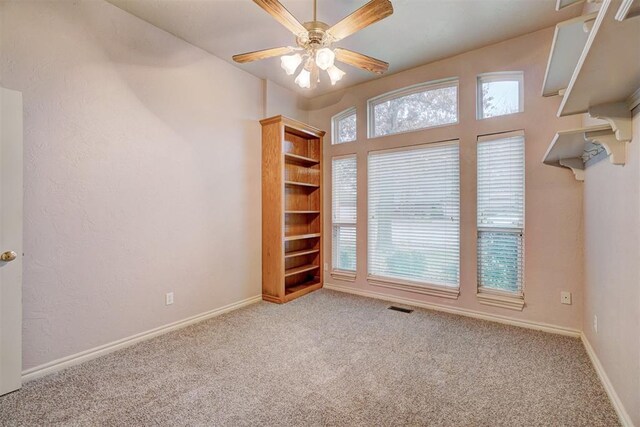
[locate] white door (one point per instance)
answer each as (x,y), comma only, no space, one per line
(10,240)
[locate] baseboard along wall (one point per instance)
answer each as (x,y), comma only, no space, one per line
(83,356)
(75,359)
(460,311)
(625,419)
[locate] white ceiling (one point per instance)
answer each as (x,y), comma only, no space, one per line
(418,32)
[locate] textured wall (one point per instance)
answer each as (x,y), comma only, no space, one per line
(553,214)
(282,101)
(142,175)
(612,270)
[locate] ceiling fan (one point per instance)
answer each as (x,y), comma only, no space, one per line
(315,41)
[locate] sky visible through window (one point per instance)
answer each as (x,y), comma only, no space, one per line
(500,98)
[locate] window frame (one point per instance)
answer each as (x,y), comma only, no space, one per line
(337,272)
(334,125)
(411,285)
(492,296)
(499,76)
(406,91)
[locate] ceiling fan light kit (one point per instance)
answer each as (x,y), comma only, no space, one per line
(335,74)
(314,43)
(290,63)
(325,58)
(304,79)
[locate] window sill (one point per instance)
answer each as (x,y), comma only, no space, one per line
(346,276)
(510,302)
(418,288)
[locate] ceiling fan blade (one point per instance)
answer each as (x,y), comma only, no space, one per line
(368,14)
(282,15)
(262,54)
(361,61)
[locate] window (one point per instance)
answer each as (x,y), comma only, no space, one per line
(344,210)
(501,213)
(418,107)
(414,214)
(344,127)
(500,94)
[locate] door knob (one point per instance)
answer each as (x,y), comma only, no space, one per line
(8,256)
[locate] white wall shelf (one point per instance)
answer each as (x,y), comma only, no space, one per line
(576,148)
(628,9)
(561,4)
(569,41)
(608,70)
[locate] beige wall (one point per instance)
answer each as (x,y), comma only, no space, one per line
(553,235)
(142,175)
(612,270)
(282,101)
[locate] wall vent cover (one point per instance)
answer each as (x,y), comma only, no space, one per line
(401,309)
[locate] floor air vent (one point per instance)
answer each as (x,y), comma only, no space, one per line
(400,309)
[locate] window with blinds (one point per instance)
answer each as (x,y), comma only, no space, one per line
(414,214)
(501,213)
(344,209)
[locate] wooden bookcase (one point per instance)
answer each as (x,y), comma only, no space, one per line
(291,209)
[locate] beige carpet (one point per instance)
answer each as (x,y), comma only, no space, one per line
(327,359)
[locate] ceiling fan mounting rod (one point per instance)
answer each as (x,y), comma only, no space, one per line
(315,10)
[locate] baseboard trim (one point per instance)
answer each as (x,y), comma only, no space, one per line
(554,329)
(625,419)
(75,359)
(623,415)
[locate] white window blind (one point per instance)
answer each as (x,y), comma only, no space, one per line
(344,127)
(344,212)
(501,212)
(414,214)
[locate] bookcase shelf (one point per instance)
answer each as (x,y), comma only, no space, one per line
(305,287)
(303,252)
(305,161)
(291,209)
(302,237)
(302,269)
(302,212)
(301,184)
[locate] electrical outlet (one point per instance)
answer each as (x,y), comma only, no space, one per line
(595,323)
(168,298)
(565,297)
(326,266)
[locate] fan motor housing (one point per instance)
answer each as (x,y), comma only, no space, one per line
(316,36)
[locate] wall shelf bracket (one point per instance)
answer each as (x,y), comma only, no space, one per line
(576,165)
(618,116)
(616,149)
(577,149)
